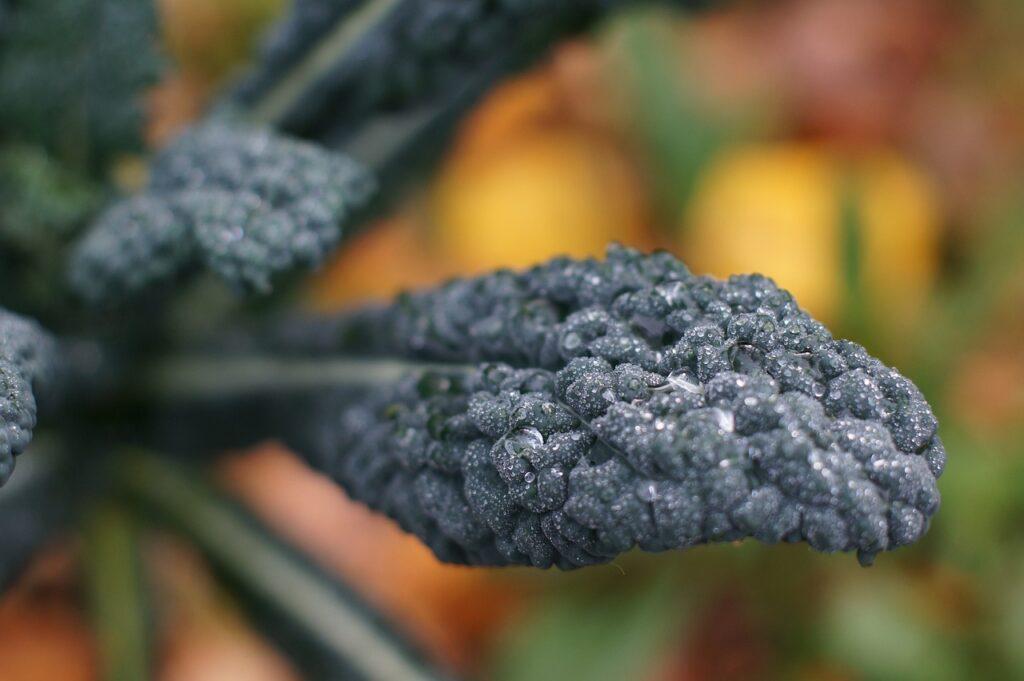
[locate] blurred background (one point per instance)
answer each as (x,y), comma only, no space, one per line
(868,155)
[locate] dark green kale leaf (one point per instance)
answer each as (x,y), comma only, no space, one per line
(381,81)
(43,205)
(582,408)
(330,67)
(29,363)
(73,75)
(386,81)
(246,204)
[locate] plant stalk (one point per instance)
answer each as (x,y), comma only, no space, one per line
(323,626)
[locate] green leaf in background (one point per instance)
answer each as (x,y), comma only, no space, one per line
(676,133)
(41,201)
(871,628)
(981,501)
(602,635)
(961,314)
(72,76)
(43,204)
(1011,631)
(856,314)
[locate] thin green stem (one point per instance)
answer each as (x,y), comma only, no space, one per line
(677,137)
(114,575)
(856,318)
(178,378)
(344,39)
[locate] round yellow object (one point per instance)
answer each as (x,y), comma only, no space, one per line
(550,192)
(778,210)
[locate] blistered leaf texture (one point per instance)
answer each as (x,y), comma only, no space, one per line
(246,204)
(597,406)
(28,360)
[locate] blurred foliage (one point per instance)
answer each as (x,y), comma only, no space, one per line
(70,94)
(873,627)
(601,636)
(43,204)
(677,130)
(783,206)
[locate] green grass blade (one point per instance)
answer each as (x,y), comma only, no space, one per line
(117,593)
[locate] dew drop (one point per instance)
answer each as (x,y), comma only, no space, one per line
(646,491)
(726,420)
(673,293)
(681,380)
(532,435)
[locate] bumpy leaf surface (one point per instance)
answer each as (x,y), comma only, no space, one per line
(28,361)
(596,406)
(247,204)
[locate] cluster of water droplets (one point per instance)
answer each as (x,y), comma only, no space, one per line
(640,405)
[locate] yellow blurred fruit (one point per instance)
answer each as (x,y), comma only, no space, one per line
(902,234)
(778,209)
(548,192)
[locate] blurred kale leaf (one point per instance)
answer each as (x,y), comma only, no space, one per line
(73,75)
